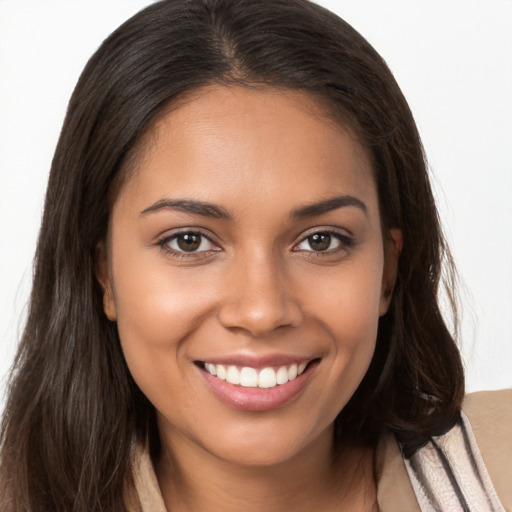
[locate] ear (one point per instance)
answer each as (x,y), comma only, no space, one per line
(393,244)
(104,277)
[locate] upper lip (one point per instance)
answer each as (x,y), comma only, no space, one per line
(257,361)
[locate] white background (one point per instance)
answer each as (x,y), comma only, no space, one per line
(453,59)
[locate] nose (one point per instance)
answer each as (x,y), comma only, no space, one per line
(259,297)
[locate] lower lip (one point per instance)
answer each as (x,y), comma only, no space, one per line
(257,399)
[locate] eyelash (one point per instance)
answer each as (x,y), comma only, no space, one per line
(345,243)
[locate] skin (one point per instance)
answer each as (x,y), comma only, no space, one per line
(255,287)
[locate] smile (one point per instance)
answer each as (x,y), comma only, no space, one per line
(260,387)
(249,377)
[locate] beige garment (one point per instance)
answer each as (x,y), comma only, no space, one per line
(490,414)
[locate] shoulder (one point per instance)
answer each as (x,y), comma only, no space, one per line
(144,495)
(490,415)
(394,490)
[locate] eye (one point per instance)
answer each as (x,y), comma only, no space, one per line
(188,242)
(324,241)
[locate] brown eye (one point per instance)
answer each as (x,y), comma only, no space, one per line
(319,241)
(189,242)
(324,241)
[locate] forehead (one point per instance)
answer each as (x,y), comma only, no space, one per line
(224,140)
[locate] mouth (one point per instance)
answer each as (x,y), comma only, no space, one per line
(249,377)
(259,387)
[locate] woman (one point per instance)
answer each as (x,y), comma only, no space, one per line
(231,304)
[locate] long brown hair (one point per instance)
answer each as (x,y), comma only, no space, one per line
(73,411)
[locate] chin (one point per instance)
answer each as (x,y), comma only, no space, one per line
(269,446)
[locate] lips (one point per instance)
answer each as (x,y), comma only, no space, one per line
(256,387)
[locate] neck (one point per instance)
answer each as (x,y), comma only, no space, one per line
(192,479)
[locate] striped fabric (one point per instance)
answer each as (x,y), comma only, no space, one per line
(449,475)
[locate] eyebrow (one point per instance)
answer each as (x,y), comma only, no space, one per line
(310,210)
(211,210)
(189,206)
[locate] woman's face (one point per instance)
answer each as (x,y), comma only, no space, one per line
(248,244)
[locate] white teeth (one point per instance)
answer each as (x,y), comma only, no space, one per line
(267,378)
(233,375)
(250,378)
(221,372)
(282,375)
(211,368)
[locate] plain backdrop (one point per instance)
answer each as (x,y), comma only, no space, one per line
(453,60)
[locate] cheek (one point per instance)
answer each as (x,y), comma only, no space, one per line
(156,309)
(155,321)
(147,308)
(348,300)
(349,310)
(154,301)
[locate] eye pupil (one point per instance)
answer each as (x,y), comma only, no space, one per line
(189,242)
(319,241)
